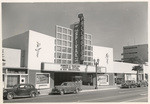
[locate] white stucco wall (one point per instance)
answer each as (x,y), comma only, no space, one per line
(12,57)
(42,43)
(105,55)
(120,67)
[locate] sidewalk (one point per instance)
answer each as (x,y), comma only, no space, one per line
(92,88)
(85,88)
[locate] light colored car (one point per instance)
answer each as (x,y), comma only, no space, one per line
(66,87)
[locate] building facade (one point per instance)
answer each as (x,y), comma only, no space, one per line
(35,63)
(140,51)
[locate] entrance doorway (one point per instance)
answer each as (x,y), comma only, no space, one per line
(64,77)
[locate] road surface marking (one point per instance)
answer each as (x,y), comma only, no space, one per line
(135,99)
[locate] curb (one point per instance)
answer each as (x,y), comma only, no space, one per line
(98,89)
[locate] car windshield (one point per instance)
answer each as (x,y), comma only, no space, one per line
(64,84)
(15,86)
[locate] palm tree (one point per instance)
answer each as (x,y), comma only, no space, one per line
(139,67)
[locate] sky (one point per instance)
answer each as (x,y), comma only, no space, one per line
(112,24)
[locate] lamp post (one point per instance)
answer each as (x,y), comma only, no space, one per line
(96,63)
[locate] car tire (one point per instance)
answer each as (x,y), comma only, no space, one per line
(9,96)
(61,92)
(33,94)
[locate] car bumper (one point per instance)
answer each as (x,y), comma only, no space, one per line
(55,91)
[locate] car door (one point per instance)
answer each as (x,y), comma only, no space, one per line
(21,90)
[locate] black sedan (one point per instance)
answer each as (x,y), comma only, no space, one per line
(20,90)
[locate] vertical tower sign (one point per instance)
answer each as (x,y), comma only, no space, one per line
(79,40)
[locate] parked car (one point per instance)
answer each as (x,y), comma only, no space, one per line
(129,84)
(20,90)
(67,87)
(142,83)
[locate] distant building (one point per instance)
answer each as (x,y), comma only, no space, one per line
(140,51)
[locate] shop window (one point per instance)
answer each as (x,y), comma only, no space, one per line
(12,80)
(58,55)
(64,30)
(59,29)
(64,49)
(63,55)
(59,35)
(42,78)
(64,43)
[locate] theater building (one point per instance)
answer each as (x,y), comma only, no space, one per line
(46,61)
(35,58)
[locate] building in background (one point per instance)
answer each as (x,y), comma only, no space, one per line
(140,51)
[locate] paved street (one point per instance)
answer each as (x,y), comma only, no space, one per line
(115,95)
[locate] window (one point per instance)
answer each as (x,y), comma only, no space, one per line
(85,53)
(59,35)
(85,36)
(58,61)
(58,48)
(69,50)
(69,56)
(89,58)
(89,47)
(69,62)
(69,32)
(64,30)
(63,55)
(64,43)
(64,49)
(85,58)
(88,36)
(89,53)
(64,37)
(59,29)
(63,61)
(69,44)
(85,47)
(69,38)
(58,55)
(89,42)
(59,42)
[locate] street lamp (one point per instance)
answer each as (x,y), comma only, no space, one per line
(96,63)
